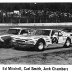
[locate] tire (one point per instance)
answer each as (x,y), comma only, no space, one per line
(54,40)
(67,43)
(7,43)
(40,45)
(17,48)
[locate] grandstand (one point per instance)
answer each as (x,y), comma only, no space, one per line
(35,12)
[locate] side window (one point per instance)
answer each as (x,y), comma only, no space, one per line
(46,32)
(54,32)
(60,34)
(24,31)
(43,32)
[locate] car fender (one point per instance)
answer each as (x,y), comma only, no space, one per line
(41,39)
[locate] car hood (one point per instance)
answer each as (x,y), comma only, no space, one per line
(7,36)
(30,36)
(4,35)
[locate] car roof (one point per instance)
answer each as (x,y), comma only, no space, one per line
(48,29)
(36,29)
(19,28)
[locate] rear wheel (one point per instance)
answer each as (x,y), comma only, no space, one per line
(54,40)
(67,43)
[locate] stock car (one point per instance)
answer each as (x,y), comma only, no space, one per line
(41,39)
(68,31)
(5,38)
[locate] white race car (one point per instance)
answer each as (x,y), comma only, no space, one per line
(5,38)
(43,38)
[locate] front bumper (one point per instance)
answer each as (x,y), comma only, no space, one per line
(4,44)
(1,44)
(5,41)
(22,45)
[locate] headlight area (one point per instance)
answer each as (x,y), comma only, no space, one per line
(13,40)
(29,41)
(23,41)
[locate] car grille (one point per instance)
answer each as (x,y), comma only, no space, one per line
(6,38)
(20,41)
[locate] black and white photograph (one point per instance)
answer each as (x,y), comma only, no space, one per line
(35,33)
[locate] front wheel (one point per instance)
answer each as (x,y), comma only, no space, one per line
(67,43)
(39,46)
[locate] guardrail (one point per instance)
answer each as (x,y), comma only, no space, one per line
(45,24)
(36,24)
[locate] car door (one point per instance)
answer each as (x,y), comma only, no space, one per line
(54,39)
(60,38)
(54,36)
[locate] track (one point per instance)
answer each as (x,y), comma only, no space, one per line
(10,53)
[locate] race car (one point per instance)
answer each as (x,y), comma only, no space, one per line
(5,38)
(41,39)
(68,30)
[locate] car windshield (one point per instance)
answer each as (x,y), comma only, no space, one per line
(27,31)
(42,32)
(13,31)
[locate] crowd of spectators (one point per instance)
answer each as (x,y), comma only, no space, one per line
(35,16)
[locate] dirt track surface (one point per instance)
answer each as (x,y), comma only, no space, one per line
(58,56)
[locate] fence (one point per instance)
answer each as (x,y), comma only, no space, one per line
(37,24)
(35,19)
